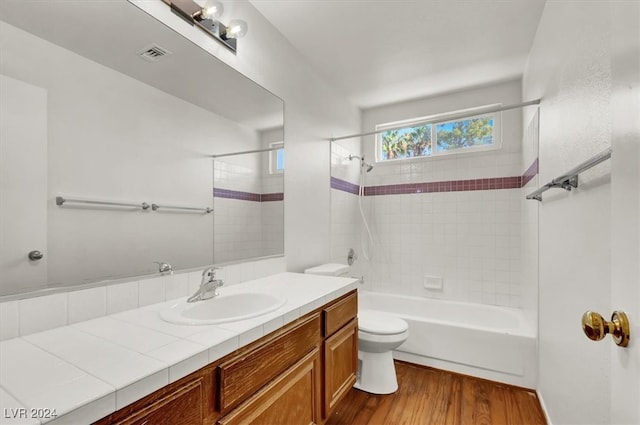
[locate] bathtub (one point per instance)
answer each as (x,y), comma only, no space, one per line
(490,342)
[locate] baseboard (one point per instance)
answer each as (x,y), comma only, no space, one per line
(544,408)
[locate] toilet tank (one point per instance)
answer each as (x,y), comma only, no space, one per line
(329,269)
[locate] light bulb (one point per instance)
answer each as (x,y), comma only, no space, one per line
(237,28)
(212,10)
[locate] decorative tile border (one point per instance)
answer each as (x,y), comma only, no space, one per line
(247,196)
(515,182)
(344,185)
(445,186)
(530,173)
(269,197)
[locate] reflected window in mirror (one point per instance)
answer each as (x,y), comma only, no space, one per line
(276,159)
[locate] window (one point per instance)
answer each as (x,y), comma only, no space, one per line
(276,158)
(428,136)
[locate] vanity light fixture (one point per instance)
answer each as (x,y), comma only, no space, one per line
(205,15)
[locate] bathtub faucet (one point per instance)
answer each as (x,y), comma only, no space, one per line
(208,286)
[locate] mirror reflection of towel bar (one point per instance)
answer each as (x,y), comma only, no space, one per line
(60,200)
(156,207)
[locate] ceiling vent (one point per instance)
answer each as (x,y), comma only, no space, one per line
(153,53)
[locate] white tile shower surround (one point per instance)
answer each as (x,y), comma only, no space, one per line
(470,239)
(246,229)
(89,369)
(238,229)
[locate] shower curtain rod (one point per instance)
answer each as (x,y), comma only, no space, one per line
(243,152)
(449,117)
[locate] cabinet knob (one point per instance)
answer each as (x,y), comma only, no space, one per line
(595,327)
(35,255)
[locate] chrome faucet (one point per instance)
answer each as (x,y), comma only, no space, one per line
(208,286)
(164,267)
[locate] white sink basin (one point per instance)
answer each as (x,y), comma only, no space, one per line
(223,308)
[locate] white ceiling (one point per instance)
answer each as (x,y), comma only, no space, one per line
(384,51)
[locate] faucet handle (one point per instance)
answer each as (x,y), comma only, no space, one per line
(209,272)
(164,267)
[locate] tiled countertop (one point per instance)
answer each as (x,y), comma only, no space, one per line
(88,370)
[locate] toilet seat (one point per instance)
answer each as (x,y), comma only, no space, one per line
(378,323)
(395,339)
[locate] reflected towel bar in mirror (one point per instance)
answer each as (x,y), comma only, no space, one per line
(60,200)
(156,207)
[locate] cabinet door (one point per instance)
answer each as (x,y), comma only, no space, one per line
(292,398)
(341,360)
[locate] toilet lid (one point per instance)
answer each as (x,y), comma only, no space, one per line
(377,322)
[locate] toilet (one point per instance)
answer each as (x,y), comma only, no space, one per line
(379,334)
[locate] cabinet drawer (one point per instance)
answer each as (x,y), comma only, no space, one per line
(340,313)
(182,407)
(244,374)
(292,398)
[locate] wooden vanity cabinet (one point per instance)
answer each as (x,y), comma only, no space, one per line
(294,375)
(340,350)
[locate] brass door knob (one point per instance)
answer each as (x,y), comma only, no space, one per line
(596,328)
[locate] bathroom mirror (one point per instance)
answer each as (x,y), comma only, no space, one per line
(108,127)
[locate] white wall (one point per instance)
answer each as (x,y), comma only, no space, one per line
(23,195)
(470,239)
(314,112)
(529,217)
(569,67)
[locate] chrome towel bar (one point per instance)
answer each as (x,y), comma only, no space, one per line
(61,200)
(569,180)
(156,207)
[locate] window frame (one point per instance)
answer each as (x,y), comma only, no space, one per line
(434,121)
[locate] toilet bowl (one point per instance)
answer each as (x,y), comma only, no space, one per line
(378,334)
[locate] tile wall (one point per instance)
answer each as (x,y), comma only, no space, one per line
(454,219)
(248,209)
(30,315)
(469,240)
(464,233)
(345,222)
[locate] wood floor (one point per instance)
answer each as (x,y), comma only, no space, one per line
(429,396)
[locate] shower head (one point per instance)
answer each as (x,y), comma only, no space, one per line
(365,165)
